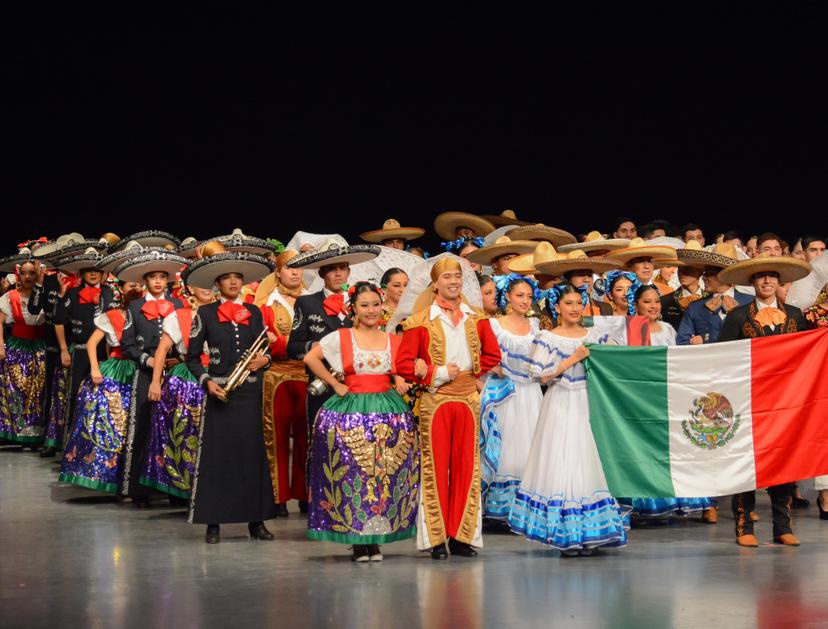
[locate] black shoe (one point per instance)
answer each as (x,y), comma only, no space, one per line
(800,503)
(213,535)
(140,502)
(461,548)
(281,510)
(361,554)
(258,531)
(303,506)
(374,552)
(176,501)
(823,513)
(48,452)
(439,552)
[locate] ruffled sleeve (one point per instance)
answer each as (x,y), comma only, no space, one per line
(516,351)
(104,324)
(332,350)
(546,355)
(5,308)
(172,328)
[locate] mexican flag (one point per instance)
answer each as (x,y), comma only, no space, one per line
(710,420)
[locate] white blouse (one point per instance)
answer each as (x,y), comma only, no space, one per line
(370,361)
(28,318)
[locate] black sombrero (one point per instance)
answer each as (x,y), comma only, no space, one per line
(79,262)
(9,264)
(155,260)
(110,262)
(239,242)
(334,251)
(203,273)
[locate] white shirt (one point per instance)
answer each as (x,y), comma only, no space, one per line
(761,306)
(457,347)
(104,324)
(28,318)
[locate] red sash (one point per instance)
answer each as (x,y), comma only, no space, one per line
(116,318)
(364,383)
(20,328)
(185,324)
(638,331)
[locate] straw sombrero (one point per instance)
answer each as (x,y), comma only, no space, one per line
(446,223)
(334,250)
(506,217)
(789,269)
(148,238)
(391,229)
(574,261)
(154,260)
(539,231)
(595,243)
(204,273)
(523,265)
(639,248)
(502,246)
(78,262)
(693,254)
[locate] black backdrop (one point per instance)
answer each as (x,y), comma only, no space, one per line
(198,123)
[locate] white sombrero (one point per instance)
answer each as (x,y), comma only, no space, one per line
(391,230)
(335,250)
(502,246)
(155,260)
(447,223)
(789,269)
(204,273)
(595,242)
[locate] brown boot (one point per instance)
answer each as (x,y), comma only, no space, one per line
(788,539)
(710,515)
(754,517)
(749,541)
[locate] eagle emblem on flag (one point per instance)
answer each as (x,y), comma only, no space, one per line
(712,422)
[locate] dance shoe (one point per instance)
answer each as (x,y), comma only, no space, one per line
(439,552)
(748,541)
(788,539)
(213,534)
(461,549)
(258,531)
(710,515)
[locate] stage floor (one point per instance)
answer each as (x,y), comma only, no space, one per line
(89,562)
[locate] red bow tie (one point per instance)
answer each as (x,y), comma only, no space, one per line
(229,311)
(334,305)
(89,295)
(159,308)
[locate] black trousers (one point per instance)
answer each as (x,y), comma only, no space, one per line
(745,502)
(52,361)
(140,424)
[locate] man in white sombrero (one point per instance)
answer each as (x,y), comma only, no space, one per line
(764,316)
(392,235)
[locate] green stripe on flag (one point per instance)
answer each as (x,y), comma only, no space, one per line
(628,414)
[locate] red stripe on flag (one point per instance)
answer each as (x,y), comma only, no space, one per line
(790,406)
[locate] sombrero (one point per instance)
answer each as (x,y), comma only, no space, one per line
(154,260)
(391,229)
(78,262)
(110,262)
(446,223)
(574,261)
(539,231)
(638,248)
(9,264)
(693,254)
(334,251)
(53,249)
(523,265)
(188,247)
(148,238)
(502,246)
(506,217)
(204,273)
(240,242)
(789,269)
(594,243)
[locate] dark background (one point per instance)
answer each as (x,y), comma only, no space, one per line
(197,123)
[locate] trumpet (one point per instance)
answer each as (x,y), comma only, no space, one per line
(241,370)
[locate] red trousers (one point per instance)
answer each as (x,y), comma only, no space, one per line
(454,435)
(288,421)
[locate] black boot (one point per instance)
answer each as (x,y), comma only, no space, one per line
(213,535)
(303,506)
(439,552)
(48,452)
(258,531)
(140,502)
(461,548)
(281,510)
(360,553)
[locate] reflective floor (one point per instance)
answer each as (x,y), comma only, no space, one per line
(70,560)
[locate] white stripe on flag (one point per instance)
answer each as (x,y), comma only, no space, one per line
(693,373)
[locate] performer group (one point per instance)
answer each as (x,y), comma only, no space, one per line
(392,394)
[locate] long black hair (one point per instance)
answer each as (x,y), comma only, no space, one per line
(359,288)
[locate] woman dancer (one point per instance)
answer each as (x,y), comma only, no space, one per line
(93,456)
(365,472)
(511,398)
(563,500)
(393,282)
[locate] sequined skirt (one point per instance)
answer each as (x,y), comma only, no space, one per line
(22,389)
(59,409)
(365,475)
(94,451)
(173,441)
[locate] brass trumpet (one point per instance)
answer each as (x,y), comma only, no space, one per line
(240,371)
